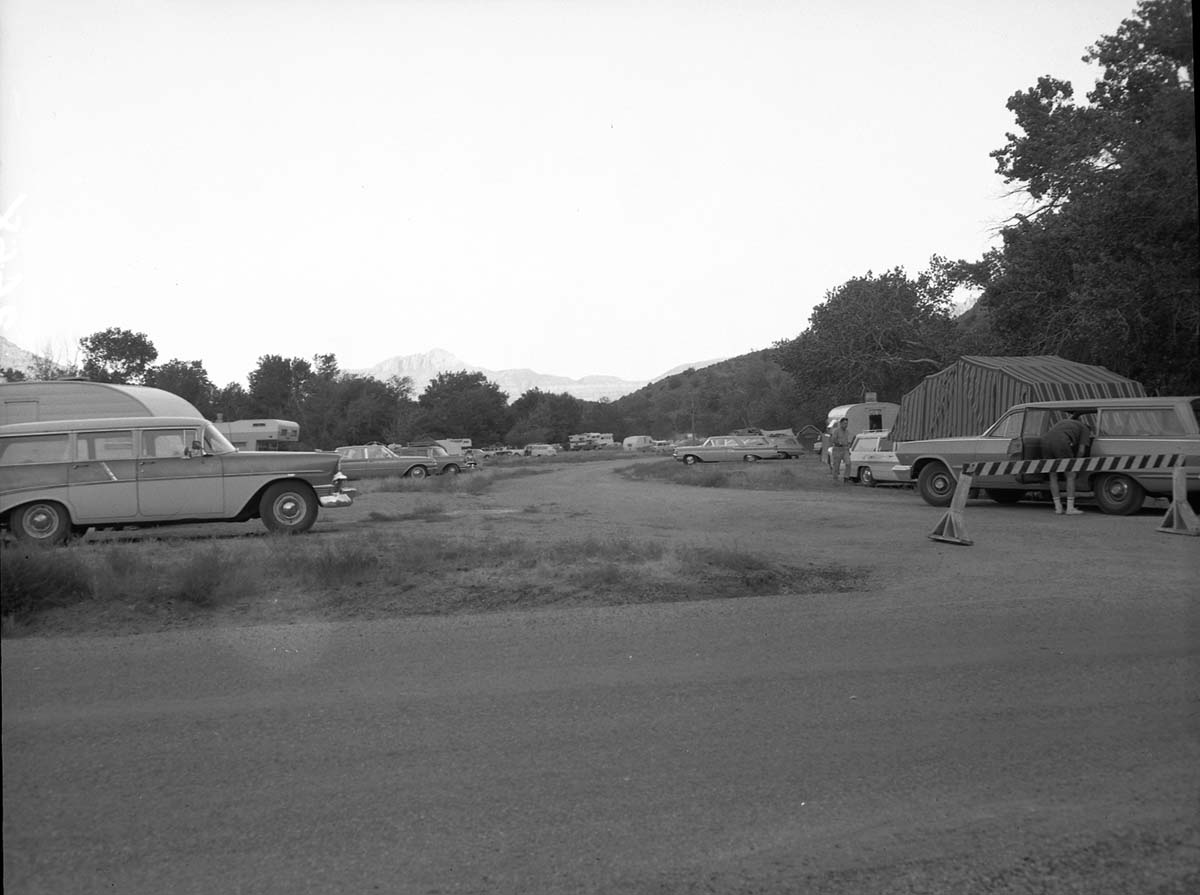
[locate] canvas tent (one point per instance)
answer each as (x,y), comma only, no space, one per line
(970,395)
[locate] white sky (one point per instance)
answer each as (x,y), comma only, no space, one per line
(575,187)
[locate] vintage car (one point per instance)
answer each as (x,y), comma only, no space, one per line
(872,459)
(1121,427)
(60,477)
(789,446)
(445,462)
(746,448)
(540,450)
(373,461)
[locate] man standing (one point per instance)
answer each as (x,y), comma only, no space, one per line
(840,449)
(1067,439)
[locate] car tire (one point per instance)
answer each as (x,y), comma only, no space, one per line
(1000,495)
(450,470)
(866,477)
(690,459)
(288,508)
(45,523)
(749,458)
(417,472)
(1118,495)
(936,484)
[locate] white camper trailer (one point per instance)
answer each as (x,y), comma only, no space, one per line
(869,417)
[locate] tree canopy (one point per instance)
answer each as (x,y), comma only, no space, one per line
(1104,266)
(877,334)
(117,355)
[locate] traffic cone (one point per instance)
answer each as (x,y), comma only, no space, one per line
(952,529)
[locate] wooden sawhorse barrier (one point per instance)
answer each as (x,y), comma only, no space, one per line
(1180,518)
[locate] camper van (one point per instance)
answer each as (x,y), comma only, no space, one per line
(867,417)
(261,435)
(76,455)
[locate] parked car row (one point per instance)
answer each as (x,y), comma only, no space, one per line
(367,461)
(1122,427)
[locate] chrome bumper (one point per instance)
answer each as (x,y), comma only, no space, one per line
(338,499)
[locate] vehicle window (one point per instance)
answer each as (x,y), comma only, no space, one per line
(1153,422)
(21,449)
(215,442)
(376,452)
(166,442)
(104,445)
(439,451)
(354,453)
(1008,427)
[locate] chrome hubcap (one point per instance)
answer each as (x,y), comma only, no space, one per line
(41,522)
(289,508)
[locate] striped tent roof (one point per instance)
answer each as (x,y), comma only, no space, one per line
(971,394)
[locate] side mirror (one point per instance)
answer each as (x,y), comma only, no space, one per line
(196,450)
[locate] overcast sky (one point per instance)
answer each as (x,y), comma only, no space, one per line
(574,187)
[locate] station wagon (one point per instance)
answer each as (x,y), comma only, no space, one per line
(59,477)
(1120,426)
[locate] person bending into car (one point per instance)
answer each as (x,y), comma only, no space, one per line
(1069,438)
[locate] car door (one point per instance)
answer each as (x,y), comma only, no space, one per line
(1003,441)
(382,462)
(354,462)
(102,479)
(175,481)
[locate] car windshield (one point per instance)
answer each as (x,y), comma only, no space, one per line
(215,442)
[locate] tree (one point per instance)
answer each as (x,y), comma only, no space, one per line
(1105,267)
(367,410)
(875,333)
(117,355)
(462,405)
(233,403)
(279,386)
(188,379)
(543,417)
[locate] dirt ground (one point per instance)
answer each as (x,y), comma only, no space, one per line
(879,535)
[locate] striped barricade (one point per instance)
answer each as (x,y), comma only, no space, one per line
(952,529)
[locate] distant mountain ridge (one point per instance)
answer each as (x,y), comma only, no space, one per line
(424,368)
(15,357)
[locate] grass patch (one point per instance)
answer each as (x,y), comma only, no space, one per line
(422,512)
(477,481)
(152,585)
(35,580)
(331,565)
(199,576)
(806,474)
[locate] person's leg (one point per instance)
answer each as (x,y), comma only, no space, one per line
(1058,507)
(1071,511)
